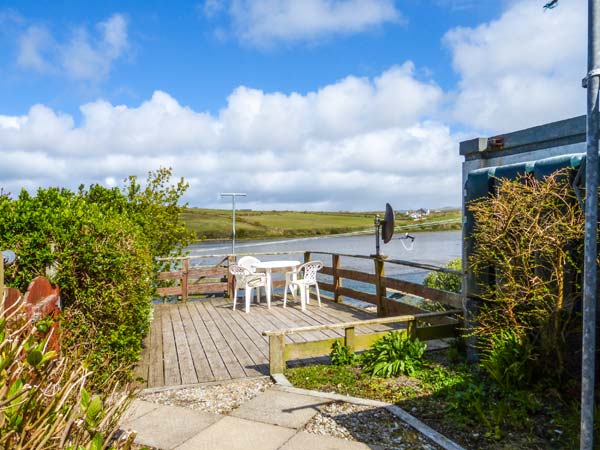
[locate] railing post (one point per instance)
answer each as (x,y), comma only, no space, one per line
(184,279)
(337,281)
(380,289)
(276,353)
(349,338)
(306,257)
(230,290)
(411,329)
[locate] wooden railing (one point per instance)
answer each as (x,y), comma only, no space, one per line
(193,280)
(280,352)
(385,306)
(216,279)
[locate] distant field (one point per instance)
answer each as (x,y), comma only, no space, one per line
(216,223)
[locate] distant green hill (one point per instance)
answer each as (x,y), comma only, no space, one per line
(216,223)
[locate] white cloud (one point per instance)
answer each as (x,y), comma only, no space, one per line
(353,144)
(212,7)
(33,44)
(522,69)
(84,56)
(264,23)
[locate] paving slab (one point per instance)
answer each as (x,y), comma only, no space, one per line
(166,427)
(233,433)
(280,408)
(137,409)
(304,441)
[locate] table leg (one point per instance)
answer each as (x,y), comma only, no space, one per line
(268,288)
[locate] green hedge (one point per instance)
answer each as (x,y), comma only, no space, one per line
(98,246)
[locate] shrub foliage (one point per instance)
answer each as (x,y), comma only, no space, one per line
(392,355)
(99,246)
(341,355)
(446,281)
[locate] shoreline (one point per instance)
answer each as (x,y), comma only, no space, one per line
(430,228)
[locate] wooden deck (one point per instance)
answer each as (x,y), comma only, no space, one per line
(203,341)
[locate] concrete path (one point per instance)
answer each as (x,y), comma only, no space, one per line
(273,420)
(270,421)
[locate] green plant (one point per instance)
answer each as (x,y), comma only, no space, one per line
(446,281)
(341,355)
(392,355)
(507,360)
(99,246)
(44,402)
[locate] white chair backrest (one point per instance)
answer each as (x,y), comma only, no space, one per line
(238,270)
(309,270)
(248,262)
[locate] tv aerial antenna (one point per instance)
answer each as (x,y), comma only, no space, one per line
(406,237)
(385,229)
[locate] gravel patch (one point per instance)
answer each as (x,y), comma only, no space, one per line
(215,398)
(367,424)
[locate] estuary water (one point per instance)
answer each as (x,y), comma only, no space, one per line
(436,248)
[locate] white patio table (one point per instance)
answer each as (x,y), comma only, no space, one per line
(268,267)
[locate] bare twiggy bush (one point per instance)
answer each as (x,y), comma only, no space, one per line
(529,245)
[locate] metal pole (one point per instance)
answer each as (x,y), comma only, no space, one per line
(233,224)
(233,195)
(377,226)
(588,358)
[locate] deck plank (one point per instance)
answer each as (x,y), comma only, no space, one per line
(184,356)
(253,333)
(205,340)
(156,374)
(231,363)
(171,363)
(201,364)
(313,319)
(298,321)
(238,350)
(248,336)
(142,369)
(217,365)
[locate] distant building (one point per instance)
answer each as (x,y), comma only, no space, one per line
(418,214)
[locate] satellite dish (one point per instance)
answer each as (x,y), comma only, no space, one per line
(387,225)
(384,227)
(8,256)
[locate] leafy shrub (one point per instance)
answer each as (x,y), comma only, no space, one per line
(446,281)
(99,246)
(341,355)
(44,402)
(392,355)
(507,360)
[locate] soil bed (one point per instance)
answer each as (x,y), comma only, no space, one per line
(454,400)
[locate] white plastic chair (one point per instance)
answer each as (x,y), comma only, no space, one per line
(248,262)
(247,280)
(303,277)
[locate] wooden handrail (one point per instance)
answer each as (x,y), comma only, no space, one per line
(224,256)
(280,351)
(358,323)
(385,305)
(400,262)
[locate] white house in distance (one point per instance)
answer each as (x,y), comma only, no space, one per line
(418,214)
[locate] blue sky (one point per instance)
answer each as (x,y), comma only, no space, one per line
(304,104)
